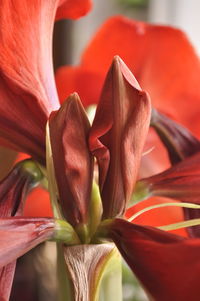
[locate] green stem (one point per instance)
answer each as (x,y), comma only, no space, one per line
(111,284)
(65,289)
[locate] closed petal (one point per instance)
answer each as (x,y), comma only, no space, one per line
(27,88)
(117,136)
(69,130)
(167,265)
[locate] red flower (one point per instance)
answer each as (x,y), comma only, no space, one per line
(116,139)
(27,97)
(155,54)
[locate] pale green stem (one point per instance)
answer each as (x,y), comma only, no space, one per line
(185,224)
(52,185)
(182,205)
(65,289)
(111,284)
(94,273)
(95,209)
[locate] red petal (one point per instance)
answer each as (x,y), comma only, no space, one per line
(38,204)
(179,142)
(159,216)
(19,235)
(7,158)
(117,136)
(181,181)
(155,54)
(73,9)
(73,162)
(27,88)
(13,190)
(167,265)
(6,279)
(74,79)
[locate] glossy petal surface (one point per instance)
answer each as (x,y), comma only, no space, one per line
(167,265)
(117,136)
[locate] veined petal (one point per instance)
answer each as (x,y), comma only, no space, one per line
(18,235)
(180,182)
(6,279)
(27,88)
(73,9)
(7,158)
(117,136)
(179,141)
(69,129)
(158,66)
(13,191)
(166,264)
(85,82)
(14,188)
